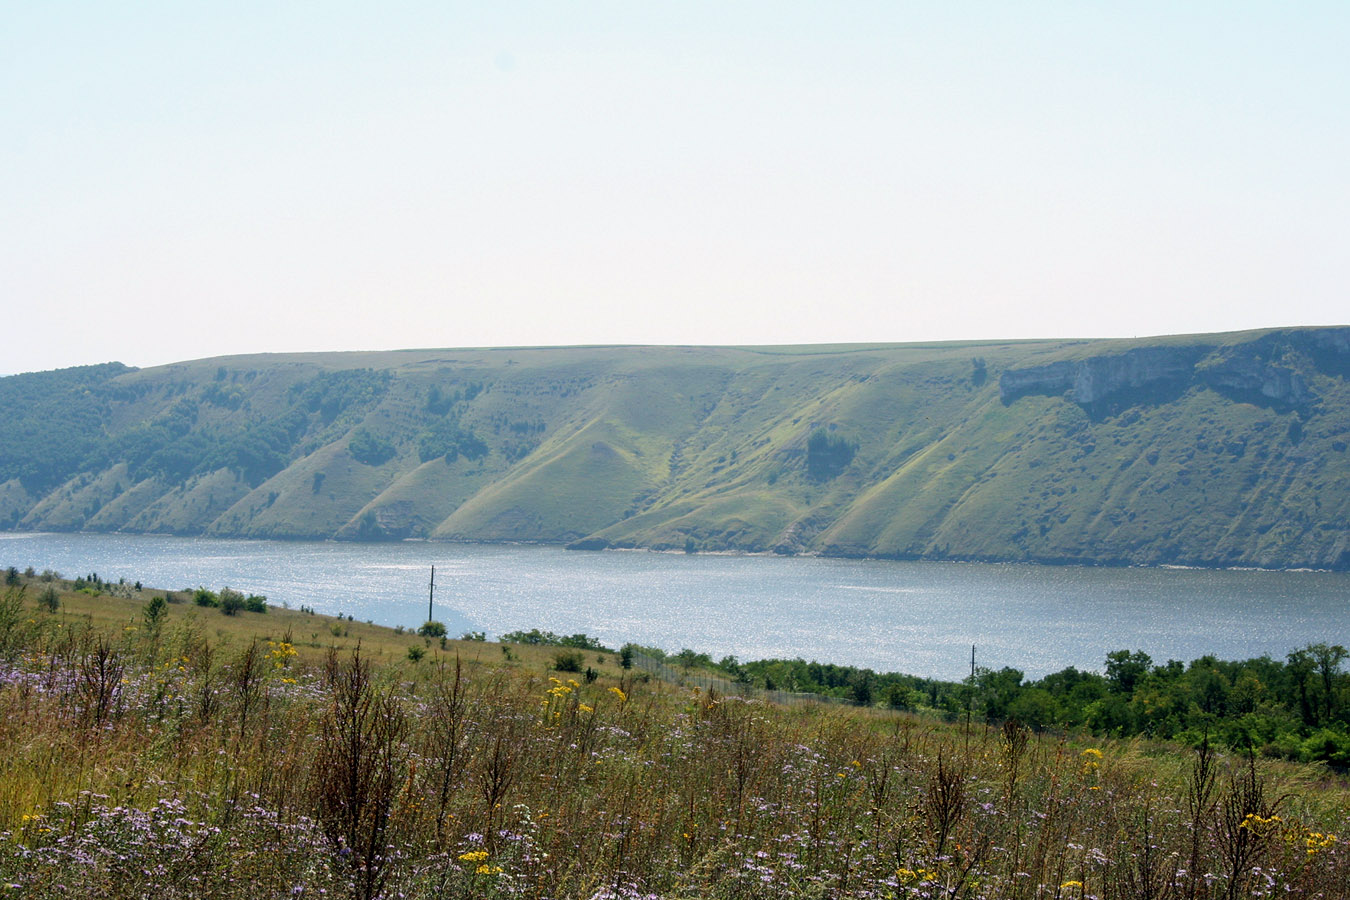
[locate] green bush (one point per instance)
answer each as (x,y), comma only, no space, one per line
(568,660)
(230,602)
(369,448)
(154,612)
(204,597)
(536,638)
(432,630)
(827,454)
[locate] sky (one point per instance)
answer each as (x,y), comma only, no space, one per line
(183,180)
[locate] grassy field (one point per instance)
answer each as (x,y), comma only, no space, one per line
(279,754)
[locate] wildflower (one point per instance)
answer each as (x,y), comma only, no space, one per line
(1316,841)
(1253,822)
(623,698)
(474,856)
(1071,884)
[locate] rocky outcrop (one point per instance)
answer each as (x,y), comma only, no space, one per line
(1102,377)
(1050,380)
(1266,371)
(1247,377)
(1098,378)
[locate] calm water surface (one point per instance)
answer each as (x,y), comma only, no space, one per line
(915,617)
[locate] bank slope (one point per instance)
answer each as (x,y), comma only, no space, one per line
(1203,450)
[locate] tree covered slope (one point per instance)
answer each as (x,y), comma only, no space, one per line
(1203,450)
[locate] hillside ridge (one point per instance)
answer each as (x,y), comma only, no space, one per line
(1209,450)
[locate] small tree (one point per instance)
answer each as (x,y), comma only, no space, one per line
(432,629)
(154,613)
(230,601)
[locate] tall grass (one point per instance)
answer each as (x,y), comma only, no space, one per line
(161,764)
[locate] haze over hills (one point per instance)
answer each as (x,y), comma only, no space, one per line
(1211,450)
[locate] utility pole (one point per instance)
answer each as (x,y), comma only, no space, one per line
(431,597)
(970,695)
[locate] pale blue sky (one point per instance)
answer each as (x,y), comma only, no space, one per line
(190,179)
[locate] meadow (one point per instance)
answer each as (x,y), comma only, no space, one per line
(170,749)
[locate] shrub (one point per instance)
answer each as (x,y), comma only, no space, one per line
(230,602)
(48,600)
(568,661)
(432,629)
(203,597)
(255,603)
(370,449)
(154,612)
(416,653)
(827,454)
(536,638)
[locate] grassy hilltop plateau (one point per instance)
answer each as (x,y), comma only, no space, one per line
(1213,450)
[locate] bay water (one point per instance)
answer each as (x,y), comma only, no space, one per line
(921,618)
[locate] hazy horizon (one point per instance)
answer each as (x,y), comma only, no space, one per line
(429,348)
(232,179)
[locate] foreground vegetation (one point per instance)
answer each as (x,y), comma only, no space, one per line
(189,753)
(1297,708)
(1208,450)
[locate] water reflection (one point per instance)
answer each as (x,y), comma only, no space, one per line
(913,617)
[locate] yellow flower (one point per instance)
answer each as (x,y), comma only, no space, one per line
(623,698)
(1316,841)
(1097,754)
(485,869)
(473,856)
(1071,884)
(1252,821)
(584,708)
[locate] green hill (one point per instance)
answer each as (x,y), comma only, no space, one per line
(1211,450)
